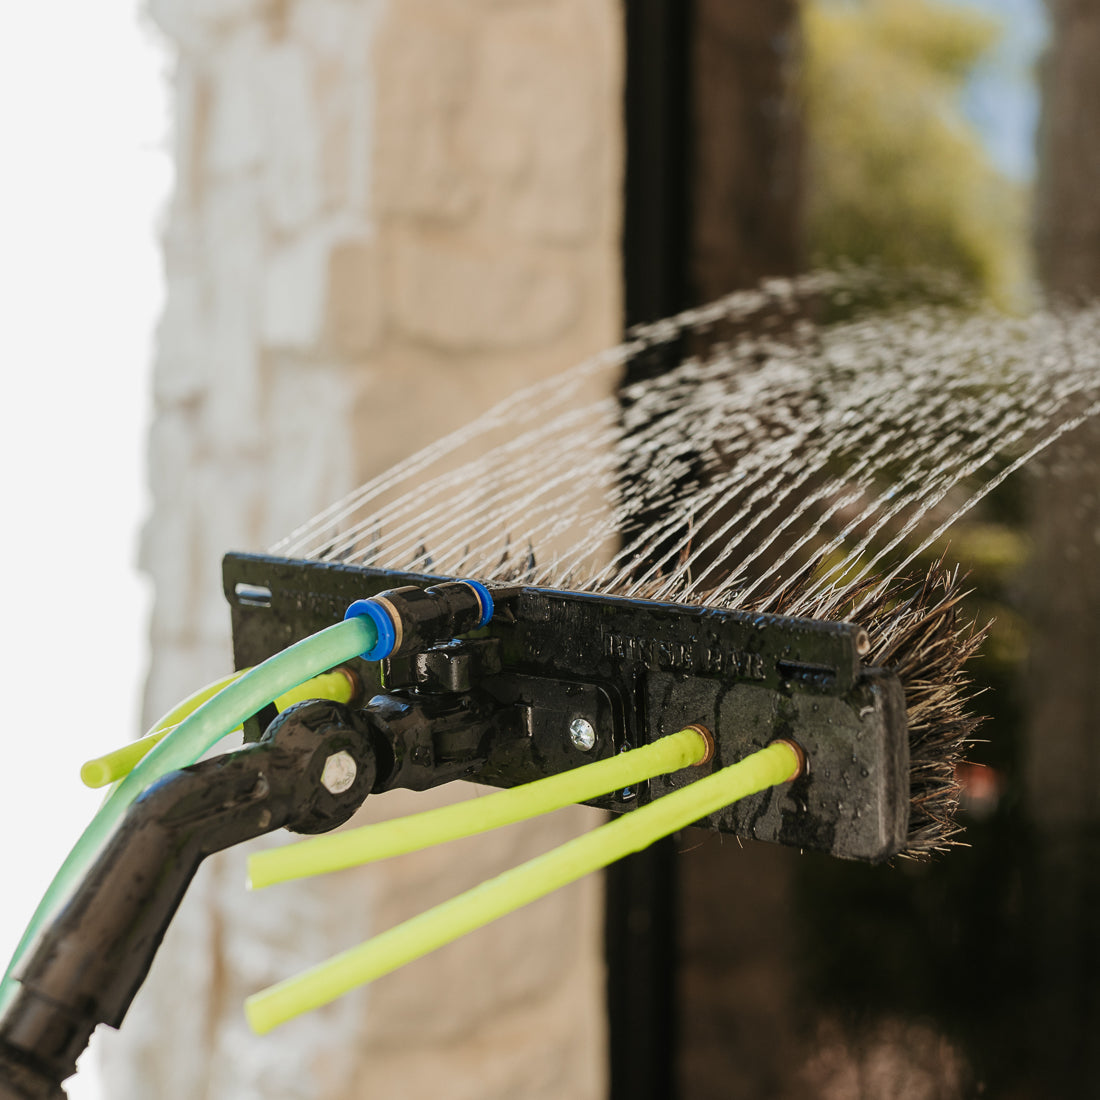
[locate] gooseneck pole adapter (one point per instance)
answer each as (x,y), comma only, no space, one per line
(310,773)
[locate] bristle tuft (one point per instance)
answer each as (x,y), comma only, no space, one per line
(917,633)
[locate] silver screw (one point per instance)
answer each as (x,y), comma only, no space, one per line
(339,772)
(583,734)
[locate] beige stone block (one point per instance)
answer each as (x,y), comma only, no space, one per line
(533,1050)
(166,555)
(228,412)
(180,375)
(354,299)
(458,297)
(236,109)
(192,22)
(190,123)
(342,138)
(293,281)
(171,451)
(184,543)
(526,955)
(181,22)
(182,243)
(231,245)
(170,613)
(416,166)
(308,460)
(229,495)
(232,257)
(224,13)
(291,155)
(268,936)
(529,128)
(407,399)
(339,36)
(333,31)
(514,1009)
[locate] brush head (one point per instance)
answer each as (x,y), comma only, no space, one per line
(878,703)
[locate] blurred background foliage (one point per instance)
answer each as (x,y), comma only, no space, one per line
(896,173)
(898,176)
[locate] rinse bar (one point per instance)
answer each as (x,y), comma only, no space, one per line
(558,679)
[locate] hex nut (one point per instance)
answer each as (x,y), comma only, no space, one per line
(339,772)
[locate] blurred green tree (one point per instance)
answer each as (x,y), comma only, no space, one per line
(895,173)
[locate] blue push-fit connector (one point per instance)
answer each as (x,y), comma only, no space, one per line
(411,619)
(387,635)
(486,600)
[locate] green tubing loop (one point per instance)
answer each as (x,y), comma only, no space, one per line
(194,736)
(338,851)
(776,764)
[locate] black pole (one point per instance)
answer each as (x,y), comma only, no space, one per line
(642,891)
(657,111)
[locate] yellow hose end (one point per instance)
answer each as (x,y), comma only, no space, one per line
(797,755)
(257,1012)
(95,773)
(112,766)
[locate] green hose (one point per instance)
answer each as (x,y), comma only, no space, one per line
(194,736)
(632,832)
(477,815)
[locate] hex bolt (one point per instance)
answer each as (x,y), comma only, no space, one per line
(339,772)
(583,734)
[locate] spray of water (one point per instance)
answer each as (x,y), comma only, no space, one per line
(797,440)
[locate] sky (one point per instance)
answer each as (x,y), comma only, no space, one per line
(1001,98)
(84,179)
(84,182)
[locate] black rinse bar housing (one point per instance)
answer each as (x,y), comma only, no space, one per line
(628,672)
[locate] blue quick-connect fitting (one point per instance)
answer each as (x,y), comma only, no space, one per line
(387,635)
(412,619)
(486,600)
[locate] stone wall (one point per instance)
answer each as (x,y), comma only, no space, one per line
(386,216)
